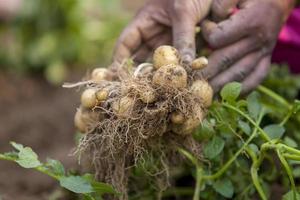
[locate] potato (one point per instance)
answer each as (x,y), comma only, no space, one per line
(148,96)
(102,95)
(84,119)
(124,106)
(99,74)
(189,126)
(202,90)
(165,55)
(171,76)
(177,118)
(88,98)
(199,63)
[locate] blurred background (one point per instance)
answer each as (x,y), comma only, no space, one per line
(43,44)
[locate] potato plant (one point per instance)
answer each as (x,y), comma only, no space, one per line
(248,144)
(85,185)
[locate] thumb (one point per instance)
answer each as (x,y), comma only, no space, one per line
(184,19)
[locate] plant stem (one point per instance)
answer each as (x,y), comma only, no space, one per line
(262,132)
(286,118)
(232,159)
(289,149)
(45,171)
(275,96)
(291,156)
(199,174)
(3,157)
(288,171)
(254,168)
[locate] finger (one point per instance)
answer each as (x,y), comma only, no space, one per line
(184,38)
(228,31)
(141,29)
(146,50)
(221,59)
(257,76)
(238,71)
(221,9)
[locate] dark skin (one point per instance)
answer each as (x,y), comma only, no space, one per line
(242,43)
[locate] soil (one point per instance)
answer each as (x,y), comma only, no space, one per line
(38,115)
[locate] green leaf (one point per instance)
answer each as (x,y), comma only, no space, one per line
(56,167)
(296,172)
(290,196)
(214,147)
(28,158)
(205,131)
(254,148)
(290,142)
(99,187)
(274,131)
(17,146)
(231,91)
(76,184)
(244,127)
(254,107)
(224,187)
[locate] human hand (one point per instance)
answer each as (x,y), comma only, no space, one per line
(242,42)
(162,22)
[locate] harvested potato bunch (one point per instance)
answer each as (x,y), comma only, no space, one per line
(154,109)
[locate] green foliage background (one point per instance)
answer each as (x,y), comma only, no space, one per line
(50,35)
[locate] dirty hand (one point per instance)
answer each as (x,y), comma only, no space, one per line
(242,42)
(162,22)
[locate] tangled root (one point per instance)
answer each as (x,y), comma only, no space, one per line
(136,126)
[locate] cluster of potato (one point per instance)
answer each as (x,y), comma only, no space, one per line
(167,73)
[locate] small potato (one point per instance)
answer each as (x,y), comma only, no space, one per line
(124,106)
(165,55)
(177,118)
(189,126)
(84,119)
(148,96)
(199,63)
(202,90)
(88,98)
(102,95)
(99,74)
(171,76)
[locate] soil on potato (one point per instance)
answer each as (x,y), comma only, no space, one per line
(39,115)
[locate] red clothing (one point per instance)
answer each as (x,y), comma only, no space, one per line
(287,49)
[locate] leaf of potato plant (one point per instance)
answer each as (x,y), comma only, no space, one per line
(99,187)
(254,107)
(231,91)
(214,147)
(205,131)
(244,127)
(224,187)
(274,131)
(290,142)
(76,184)
(290,196)
(56,167)
(17,146)
(27,158)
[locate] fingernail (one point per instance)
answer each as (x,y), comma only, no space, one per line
(187,59)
